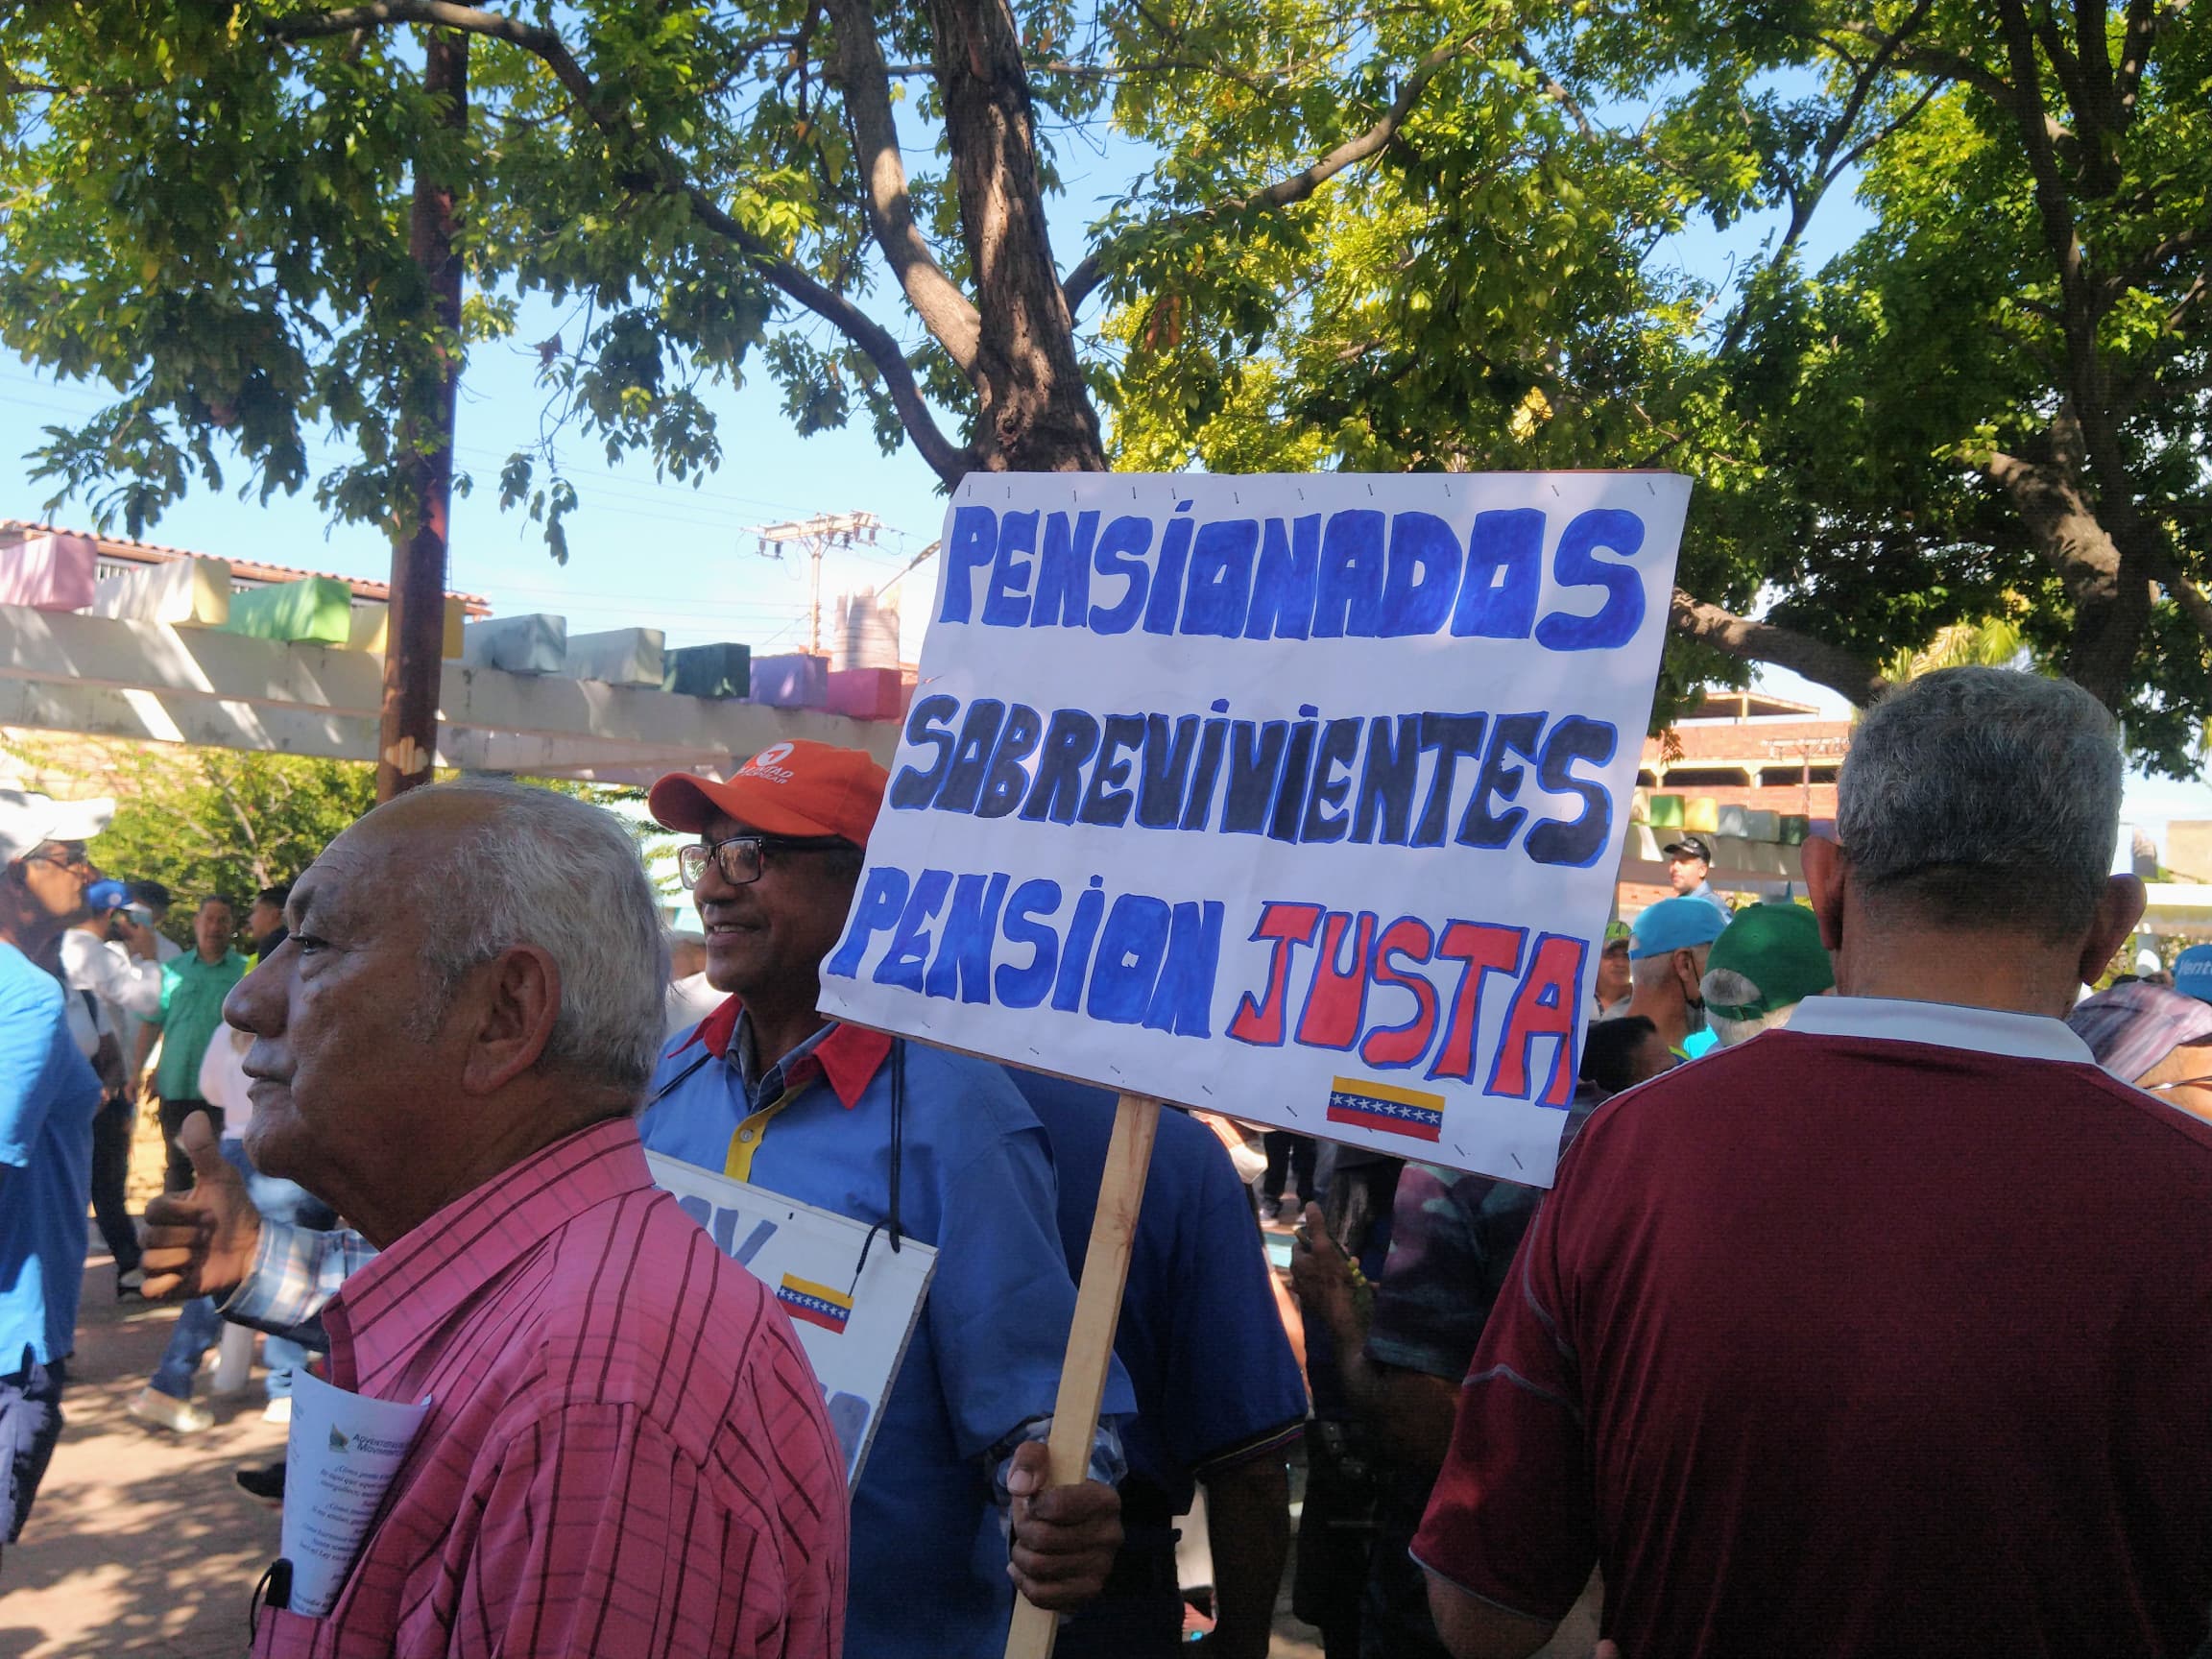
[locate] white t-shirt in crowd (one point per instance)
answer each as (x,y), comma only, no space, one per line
(691,1000)
(223,1079)
(129,985)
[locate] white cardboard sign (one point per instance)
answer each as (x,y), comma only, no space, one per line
(852,1300)
(1296,798)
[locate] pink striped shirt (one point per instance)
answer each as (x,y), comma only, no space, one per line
(627,1456)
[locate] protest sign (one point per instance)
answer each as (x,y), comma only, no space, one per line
(1294,798)
(851,1298)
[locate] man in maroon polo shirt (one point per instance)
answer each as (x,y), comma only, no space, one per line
(1889,1333)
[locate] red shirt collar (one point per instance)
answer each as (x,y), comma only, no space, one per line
(849,1055)
(389,1310)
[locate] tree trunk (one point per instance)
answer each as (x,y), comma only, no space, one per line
(2111,613)
(1034,409)
(2110,595)
(414,642)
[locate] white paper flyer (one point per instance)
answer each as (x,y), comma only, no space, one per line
(344,1450)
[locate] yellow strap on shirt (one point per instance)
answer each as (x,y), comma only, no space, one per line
(746,1140)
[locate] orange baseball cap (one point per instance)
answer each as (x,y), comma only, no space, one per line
(793,788)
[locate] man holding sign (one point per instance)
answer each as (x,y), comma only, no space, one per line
(1296,798)
(923,1142)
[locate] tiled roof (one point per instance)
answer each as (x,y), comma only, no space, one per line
(251,570)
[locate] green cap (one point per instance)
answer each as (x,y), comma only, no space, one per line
(1777,947)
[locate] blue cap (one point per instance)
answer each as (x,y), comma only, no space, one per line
(106,894)
(1674,924)
(2193,973)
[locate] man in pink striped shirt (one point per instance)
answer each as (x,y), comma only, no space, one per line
(627,1453)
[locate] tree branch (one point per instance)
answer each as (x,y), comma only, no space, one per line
(2186,593)
(2188,302)
(2136,270)
(1826,167)
(544,44)
(1933,61)
(947,460)
(2143,20)
(1738,636)
(2051,201)
(1091,270)
(1554,91)
(945,311)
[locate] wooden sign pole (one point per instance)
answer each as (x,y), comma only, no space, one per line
(1091,1339)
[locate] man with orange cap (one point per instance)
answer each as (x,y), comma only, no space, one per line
(930,1145)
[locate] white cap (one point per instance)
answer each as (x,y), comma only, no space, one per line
(29,820)
(2146,961)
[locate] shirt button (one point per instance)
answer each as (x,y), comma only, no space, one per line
(745,1135)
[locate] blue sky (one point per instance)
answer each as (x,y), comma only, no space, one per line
(651,553)
(642,552)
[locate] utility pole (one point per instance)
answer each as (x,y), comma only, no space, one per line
(815,537)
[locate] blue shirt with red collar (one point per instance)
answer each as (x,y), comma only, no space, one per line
(928,1551)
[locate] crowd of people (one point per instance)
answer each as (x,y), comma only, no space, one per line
(1791,1358)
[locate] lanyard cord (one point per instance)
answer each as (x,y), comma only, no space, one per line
(661,1093)
(898,1132)
(898,1160)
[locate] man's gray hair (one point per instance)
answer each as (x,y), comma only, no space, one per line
(1984,798)
(1648,972)
(1725,988)
(548,870)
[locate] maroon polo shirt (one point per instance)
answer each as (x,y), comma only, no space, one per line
(1887,1333)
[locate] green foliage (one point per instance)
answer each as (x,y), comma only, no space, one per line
(230,823)
(216,821)
(1502,288)
(206,209)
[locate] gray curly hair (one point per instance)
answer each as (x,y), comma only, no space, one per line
(1978,796)
(548,870)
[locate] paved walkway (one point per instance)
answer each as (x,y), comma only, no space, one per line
(141,1543)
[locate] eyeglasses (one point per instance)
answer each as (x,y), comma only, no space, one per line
(63,857)
(743,857)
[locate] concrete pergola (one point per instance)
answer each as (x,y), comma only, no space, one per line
(109,677)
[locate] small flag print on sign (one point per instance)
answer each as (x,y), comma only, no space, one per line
(816,1304)
(1395,1111)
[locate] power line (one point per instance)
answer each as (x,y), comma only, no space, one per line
(815,537)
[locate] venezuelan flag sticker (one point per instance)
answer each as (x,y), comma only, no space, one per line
(1383,1106)
(816,1304)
